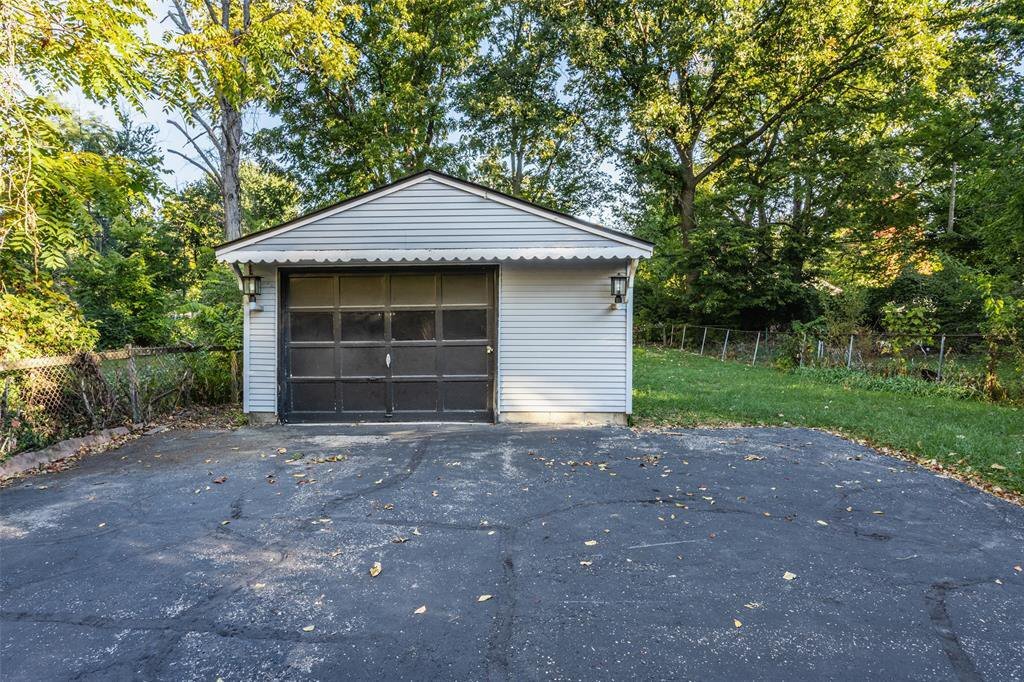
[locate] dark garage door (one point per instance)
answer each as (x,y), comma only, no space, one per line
(387,345)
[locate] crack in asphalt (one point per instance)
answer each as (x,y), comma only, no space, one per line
(938,614)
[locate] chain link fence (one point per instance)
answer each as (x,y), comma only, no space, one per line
(45,400)
(962,360)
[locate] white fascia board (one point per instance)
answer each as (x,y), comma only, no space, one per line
(485,255)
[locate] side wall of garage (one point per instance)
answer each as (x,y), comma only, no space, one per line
(259,359)
(563,351)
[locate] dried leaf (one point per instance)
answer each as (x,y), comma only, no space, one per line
(102,525)
(753,458)
(399,540)
(1018,568)
(586,563)
(590,543)
(997,466)
(281,451)
(483,597)
(821,523)
(879,513)
(259,586)
(378,481)
(309,628)
(416,531)
(737,623)
(788,576)
(220,479)
(421,610)
(375,569)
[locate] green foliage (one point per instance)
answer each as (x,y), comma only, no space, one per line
(42,321)
(909,325)
(213,313)
(118,293)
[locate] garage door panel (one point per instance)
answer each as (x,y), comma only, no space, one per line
(413,325)
(362,290)
(362,326)
(465,360)
(415,396)
(364,396)
(363,361)
(307,326)
(413,361)
(461,324)
(314,396)
(313,362)
(466,395)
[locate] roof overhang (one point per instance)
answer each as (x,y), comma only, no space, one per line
(324,257)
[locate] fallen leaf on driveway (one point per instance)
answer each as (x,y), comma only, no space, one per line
(822,523)
(309,628)
(422,609)
(378,481)
(399,540)
(586,563)
(753,605)
(879,513)
(220,479)
(281,451)
(753,458)
(483,597)
(590,543)
(375,569)
(737,623)
(788,576)
(102,525)
(259,586)
(1018,569)
(416,531)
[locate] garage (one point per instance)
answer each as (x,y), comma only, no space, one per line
(436,299)
(408,344)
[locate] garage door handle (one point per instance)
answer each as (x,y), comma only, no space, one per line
(387,359)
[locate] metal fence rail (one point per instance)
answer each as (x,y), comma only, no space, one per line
(43,400)
(957,359)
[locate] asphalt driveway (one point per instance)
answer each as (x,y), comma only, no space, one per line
(607,554)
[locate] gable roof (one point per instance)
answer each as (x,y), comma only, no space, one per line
(496,225)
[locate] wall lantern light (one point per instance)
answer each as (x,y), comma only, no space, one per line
(251,285)
(619,287)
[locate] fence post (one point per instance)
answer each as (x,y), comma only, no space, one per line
(133,385)
(803,344)
(682,342)
(849,353)
(725,344)
(757,344)
(942,352)
(703,340)
(234,376)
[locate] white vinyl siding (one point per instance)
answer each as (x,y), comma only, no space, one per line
(561,347)
(430,215)
(260,346)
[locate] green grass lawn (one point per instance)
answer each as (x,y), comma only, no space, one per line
(676,388)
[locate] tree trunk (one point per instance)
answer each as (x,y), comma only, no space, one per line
(230,161)
(684,210)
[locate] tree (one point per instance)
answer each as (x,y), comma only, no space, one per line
(341,136)
(50,47)
(694,85)
(229,58)
(525,135)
